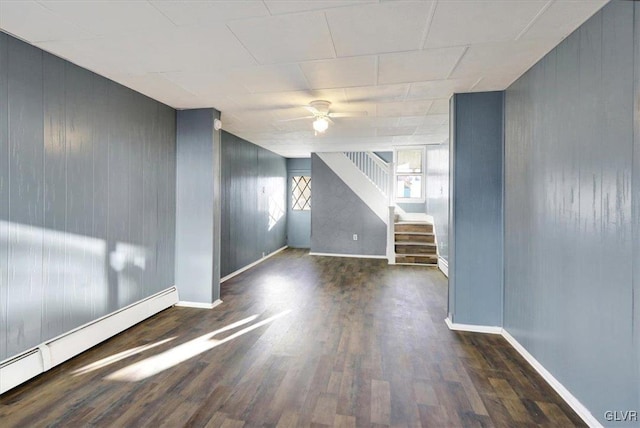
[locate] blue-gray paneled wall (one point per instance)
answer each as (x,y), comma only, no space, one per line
(254,211)
(475,258)
(86,207)
(198,206)
(437,204)
(572,230)
(298,221)
(337,213)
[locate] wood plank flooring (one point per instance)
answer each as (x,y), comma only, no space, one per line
(309,341)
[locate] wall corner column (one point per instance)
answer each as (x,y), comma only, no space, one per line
(198,206)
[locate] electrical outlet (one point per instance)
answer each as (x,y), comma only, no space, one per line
(355,236)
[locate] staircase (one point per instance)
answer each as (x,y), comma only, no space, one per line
(415,243)
(410,237)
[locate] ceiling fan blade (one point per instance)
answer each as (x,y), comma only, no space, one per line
(349,114)
(296,118)
(314,111)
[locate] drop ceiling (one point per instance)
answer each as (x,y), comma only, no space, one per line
(259,62)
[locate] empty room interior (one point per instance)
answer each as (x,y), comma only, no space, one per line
(350,213)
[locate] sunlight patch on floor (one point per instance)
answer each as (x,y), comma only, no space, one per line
(181,353)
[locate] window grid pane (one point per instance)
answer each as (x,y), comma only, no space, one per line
(301,193)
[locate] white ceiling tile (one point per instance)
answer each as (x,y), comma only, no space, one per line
(341,73)
(286,38)
(104,17)
(278,7)
(377,94)
(495,82)
(374,29)
(502,58)
(439,107)
(467,22)
(199,48)
(172,94)
(350,132)
(366,122)
(435,120)
(272,78)
(416,66)
(414,121)
(439,88)
(562,18)
(407,108)
(289,100)
(31,21)
(396,130)
(189,12)
(208,84)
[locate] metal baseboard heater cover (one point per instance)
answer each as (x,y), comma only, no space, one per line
(47,355)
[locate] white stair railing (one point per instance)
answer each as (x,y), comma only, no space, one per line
(376,170)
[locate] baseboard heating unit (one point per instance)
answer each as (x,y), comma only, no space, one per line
(51,353)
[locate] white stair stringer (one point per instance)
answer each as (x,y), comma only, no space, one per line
(357,181)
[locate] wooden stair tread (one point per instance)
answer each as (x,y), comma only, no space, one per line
(427,255)
(418,223)
(413,233)
(418,264)
(428,244)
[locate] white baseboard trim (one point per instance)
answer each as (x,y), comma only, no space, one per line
(199,305)
(563,392)
(444,266)
(473,328)
(355,256)
(20,368)
(249,266)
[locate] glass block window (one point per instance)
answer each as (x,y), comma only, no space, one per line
(301,193)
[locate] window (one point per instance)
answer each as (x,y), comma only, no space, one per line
(301,193)
(409,173)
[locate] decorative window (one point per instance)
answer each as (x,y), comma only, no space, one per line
(409,174)
(301,193)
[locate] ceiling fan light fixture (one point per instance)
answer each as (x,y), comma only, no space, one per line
(320,124)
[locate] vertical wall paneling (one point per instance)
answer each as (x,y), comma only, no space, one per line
(136,256)
(150,157)
(101,266)
(4,192)
(55,195)
(74,244)
(253,203)
(337,213)
(570,211)
(166,193)
(118,199)
(217,206)
(636,200)
(26,209)
(451,302)
(195,205)
(79,203)
(476,202)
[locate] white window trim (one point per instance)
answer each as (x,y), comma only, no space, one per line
(402,200)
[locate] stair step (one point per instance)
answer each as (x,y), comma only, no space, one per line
(417,243)
(414,237)
(417,259)
(404,226)
(413,248)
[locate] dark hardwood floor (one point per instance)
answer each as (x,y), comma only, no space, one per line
(310,341)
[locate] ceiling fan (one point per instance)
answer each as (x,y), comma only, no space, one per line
(320,112)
